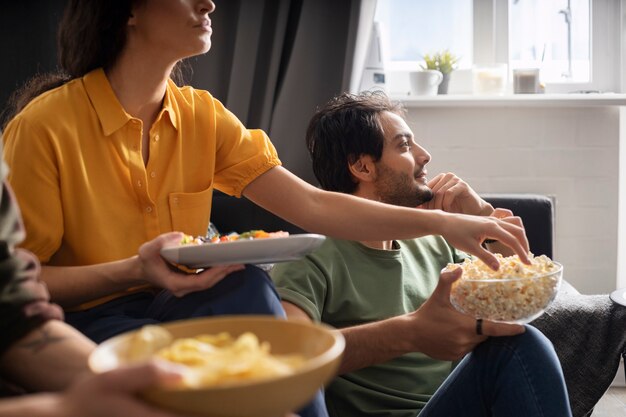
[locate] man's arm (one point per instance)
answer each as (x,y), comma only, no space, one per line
(48,358)
(111,394)
(452,194)
(436,329)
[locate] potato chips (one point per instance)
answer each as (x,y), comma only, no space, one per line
(213,360)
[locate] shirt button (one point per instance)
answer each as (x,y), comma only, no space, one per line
(153,174)
(138,183)
(149,209)
(156,138)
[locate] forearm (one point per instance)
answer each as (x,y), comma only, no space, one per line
(38,405)
(48,358)
(366,344)
(354,218)
(339,215)
(71,286)
(373,343)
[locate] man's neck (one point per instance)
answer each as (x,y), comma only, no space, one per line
(374,244)
(379,244)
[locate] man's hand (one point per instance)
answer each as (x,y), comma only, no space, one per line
(157,271)
(113,393)
(454,195)
(442,332)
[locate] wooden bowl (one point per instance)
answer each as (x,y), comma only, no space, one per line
(321,345)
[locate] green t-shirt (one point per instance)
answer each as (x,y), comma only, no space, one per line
(345,283)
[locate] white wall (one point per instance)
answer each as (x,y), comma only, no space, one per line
(569,153)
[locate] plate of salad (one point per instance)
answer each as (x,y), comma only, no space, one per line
(253,247)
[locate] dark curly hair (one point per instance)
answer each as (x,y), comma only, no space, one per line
(341,131)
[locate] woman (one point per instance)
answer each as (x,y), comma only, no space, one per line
(117,161)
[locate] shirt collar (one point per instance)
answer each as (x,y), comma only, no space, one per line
(108,108)
(110,112)
(168,103)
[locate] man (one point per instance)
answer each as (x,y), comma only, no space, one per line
(376,292)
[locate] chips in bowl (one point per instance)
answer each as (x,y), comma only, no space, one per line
(238,366)
(515,293)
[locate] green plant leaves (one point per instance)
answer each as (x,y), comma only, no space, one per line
(443,61)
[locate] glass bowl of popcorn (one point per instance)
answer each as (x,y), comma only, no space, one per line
(515,293)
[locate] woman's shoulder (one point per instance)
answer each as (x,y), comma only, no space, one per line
(201,102)
(52,103)
(189,93)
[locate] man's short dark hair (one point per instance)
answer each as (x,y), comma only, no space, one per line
(341,131)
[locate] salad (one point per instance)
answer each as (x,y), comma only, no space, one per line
(217,238)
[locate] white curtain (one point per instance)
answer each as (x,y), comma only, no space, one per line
(365,23)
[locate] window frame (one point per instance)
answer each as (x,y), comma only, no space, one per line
(491,42)
(607,53)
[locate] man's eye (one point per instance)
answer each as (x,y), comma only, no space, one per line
(405,144)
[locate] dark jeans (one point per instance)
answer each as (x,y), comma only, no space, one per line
(504,376)
(244,292)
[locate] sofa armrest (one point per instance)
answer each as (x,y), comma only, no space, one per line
(537,213)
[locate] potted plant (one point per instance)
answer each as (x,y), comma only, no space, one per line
(443,61)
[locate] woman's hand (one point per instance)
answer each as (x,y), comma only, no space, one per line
(467,233)
(158,272)
(29,280)
(444,333)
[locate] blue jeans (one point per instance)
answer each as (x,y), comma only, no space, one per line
(250,291)
(504,376)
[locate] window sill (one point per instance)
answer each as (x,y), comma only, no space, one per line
(511,100)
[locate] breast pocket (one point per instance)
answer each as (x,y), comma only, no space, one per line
(190,211)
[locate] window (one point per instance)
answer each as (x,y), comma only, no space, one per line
(575,43)
(413,28)
(552,36)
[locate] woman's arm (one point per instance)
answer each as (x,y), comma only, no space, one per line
(71,286)
(347,217)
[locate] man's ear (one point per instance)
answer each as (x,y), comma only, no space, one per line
(363,168)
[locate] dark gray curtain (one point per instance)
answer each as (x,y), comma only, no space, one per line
(272,62)
(27,41)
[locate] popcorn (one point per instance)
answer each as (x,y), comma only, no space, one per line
(516,292)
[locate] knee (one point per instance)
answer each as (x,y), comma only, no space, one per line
(253,279)
(532,342)
(253,291)
(534,338)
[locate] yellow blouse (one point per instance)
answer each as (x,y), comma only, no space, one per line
(80,180)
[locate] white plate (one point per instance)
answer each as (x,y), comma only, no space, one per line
(619,296)
(256,251)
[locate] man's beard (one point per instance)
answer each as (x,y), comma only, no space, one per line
(400,189)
